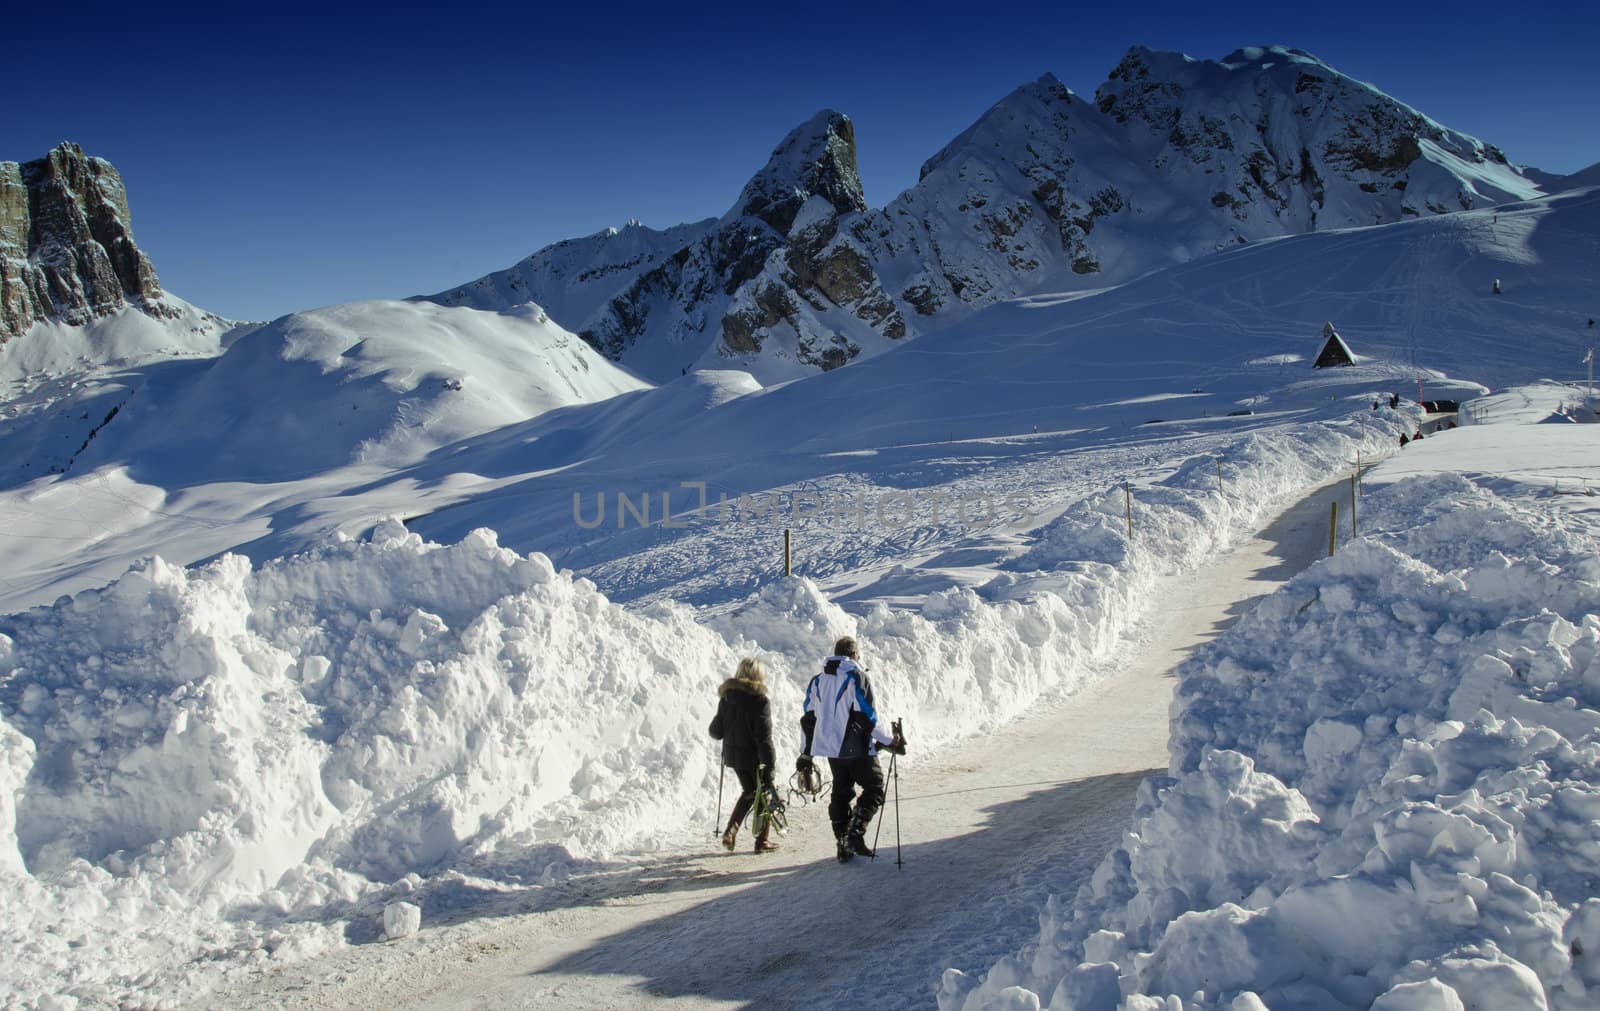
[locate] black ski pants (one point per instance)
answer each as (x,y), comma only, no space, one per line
(849,773)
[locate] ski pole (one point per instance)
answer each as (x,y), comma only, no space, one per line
(894,774)
(722,770)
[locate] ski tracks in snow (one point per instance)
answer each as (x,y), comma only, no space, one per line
(987,831)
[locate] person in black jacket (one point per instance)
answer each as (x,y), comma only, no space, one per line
(744,726)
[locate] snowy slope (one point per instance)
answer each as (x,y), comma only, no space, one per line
(1040,374)
(191,456)
(575,278)
(60,382)
(124,337)
(1173,159)
(1384,780)
(1552,182)
(375,382)
(968,409)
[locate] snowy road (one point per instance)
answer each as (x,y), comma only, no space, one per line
(987,829)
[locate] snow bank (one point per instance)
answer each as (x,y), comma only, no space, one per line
(186,741)
(970,660)
(239,761)
(1383,792)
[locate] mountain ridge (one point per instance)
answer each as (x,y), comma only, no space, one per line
(1171,159)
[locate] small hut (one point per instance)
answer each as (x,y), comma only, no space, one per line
(1334,350)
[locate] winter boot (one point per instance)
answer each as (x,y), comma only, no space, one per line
(856,837)
(764,844)
(843,849)
(730,836)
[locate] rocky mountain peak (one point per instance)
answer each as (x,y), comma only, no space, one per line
(1033,116)
(66,243)
(1174,159)
(817,158)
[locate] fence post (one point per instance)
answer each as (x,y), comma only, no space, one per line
(786,569)
(1333,528)
(1354,479)
(1127,494)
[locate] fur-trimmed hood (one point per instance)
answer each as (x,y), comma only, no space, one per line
(736,685)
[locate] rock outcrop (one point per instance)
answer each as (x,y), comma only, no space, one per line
(1173,159)
(754,283)
(66,244)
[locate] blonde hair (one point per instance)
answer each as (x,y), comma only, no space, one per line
(751,671)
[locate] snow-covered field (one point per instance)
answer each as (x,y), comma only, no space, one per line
(242,750)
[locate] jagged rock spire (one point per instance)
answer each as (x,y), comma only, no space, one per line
(66,243)
(817,158)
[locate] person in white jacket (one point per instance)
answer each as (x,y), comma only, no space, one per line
(841,724)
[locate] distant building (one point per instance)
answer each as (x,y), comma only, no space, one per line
(1334,350)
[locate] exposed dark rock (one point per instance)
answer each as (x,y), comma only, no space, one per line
(923,299)
(817,159)
(827,353)
(66,244)
(1356,151)
(742,329)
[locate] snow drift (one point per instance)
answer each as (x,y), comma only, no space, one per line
(241,759)
(1383,789)
(191,739)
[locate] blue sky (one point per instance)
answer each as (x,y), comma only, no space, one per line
(278,162)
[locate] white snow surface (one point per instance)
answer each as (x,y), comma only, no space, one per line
(239,759)
(1384,780)
(258,713)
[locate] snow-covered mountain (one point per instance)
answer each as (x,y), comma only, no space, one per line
(1173,159)
(67,253)
(83,318)
(763,281)
(1555,182)
(250,731)
(98,363)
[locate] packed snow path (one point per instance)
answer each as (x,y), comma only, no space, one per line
(987,828)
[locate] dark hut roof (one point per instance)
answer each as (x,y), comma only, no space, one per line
(1334,350)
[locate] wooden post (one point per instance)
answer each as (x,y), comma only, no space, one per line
(786,569)
(1127,494)
(1354,478)
(1333,529)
